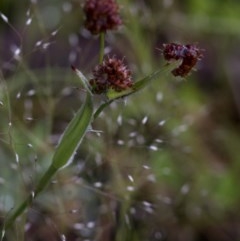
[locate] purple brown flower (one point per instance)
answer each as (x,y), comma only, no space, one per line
(111,74)
(189,54)
(101,15)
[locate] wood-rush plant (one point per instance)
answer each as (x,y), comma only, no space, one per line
(111,78)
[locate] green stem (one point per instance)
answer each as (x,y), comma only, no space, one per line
(44,181)
(100,108)
(101,51)
(18,212)
(41,185)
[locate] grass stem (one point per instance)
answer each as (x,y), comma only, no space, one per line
(101,51)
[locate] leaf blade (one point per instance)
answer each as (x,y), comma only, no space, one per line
(73,134)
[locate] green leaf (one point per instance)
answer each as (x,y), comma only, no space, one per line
(112,94)
(83,79)
(73,134)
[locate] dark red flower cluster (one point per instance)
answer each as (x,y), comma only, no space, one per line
(189,54)
(101,15)
(111,74)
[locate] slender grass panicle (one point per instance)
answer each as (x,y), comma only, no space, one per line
(111,74)
(101,15)
(189,54)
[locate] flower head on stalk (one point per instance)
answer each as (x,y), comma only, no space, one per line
(189,54)
(101,15)
(113,74)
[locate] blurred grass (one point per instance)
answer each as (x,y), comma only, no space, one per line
(191,178)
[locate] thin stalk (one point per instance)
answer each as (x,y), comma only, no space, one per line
(100,108)
(42,184)
(101,51)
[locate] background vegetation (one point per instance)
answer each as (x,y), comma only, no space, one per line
(164,165)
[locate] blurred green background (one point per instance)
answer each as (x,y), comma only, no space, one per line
(162,165)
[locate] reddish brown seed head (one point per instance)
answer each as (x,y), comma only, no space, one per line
(111,74)
(101,15)
(189,54)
